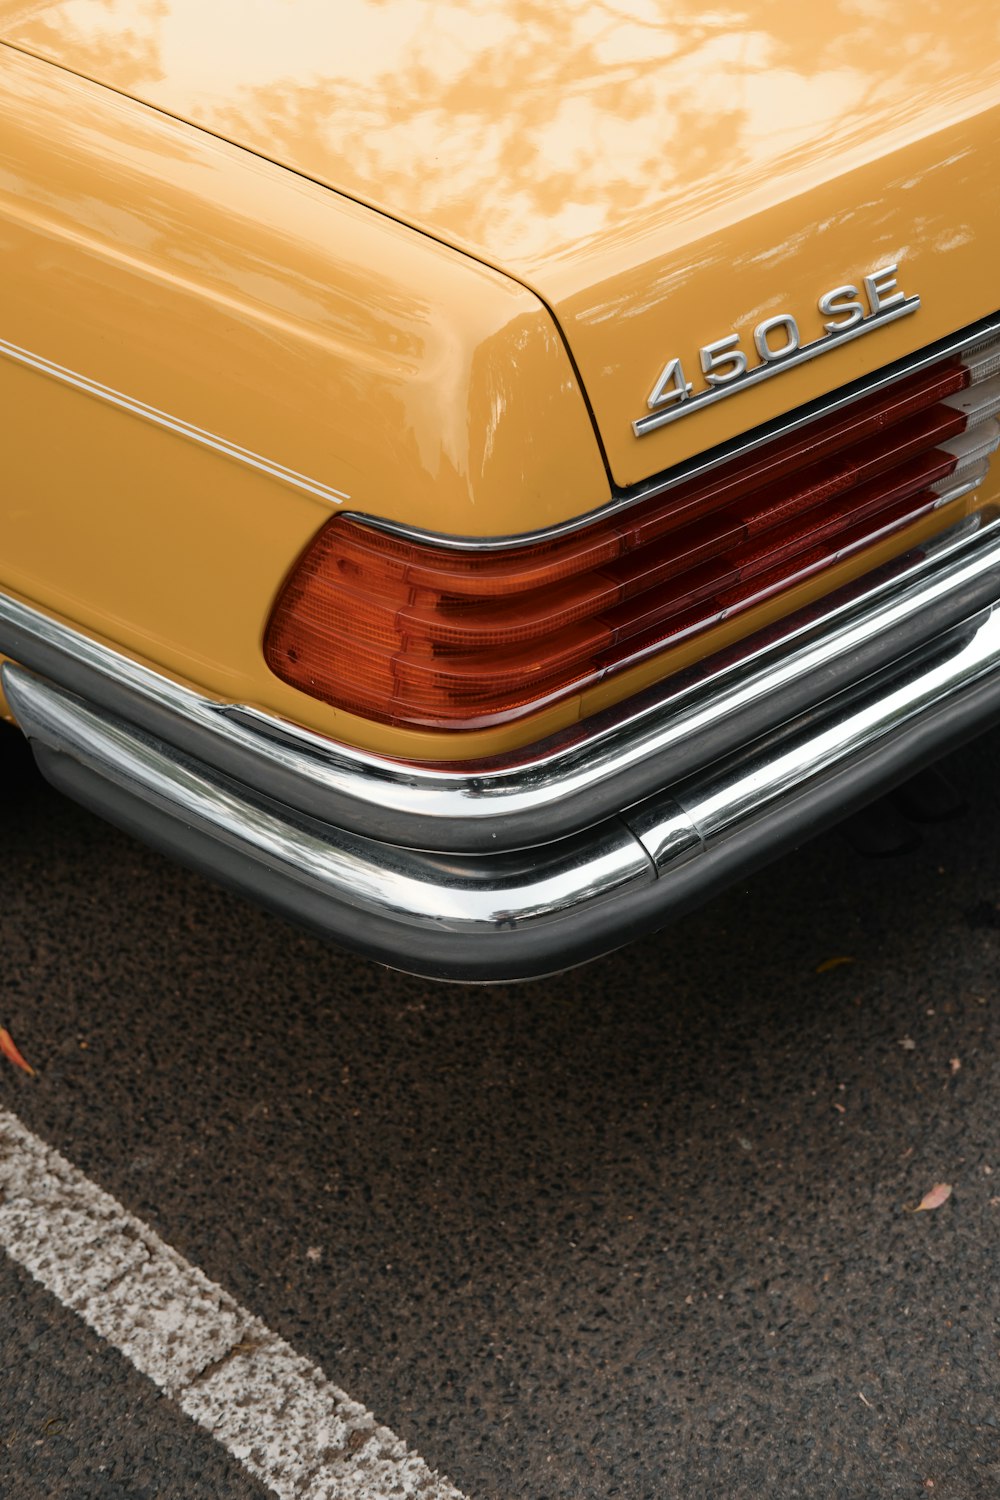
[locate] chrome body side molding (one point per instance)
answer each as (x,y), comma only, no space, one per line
(169,423)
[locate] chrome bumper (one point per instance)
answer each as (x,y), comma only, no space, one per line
(812,725)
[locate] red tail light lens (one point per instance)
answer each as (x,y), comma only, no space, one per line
(437,637)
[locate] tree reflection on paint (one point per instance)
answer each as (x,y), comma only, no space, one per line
(526,127)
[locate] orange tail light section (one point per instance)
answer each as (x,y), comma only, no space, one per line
(426,636)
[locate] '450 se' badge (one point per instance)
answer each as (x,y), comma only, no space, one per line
(727,367)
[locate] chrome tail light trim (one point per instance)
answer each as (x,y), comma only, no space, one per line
(978,345)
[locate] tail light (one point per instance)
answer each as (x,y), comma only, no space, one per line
(429,636)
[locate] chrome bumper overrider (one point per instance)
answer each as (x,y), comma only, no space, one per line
(745,760)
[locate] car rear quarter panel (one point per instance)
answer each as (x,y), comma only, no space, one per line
(393,375)
(399,376)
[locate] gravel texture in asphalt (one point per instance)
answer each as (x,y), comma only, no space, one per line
(643,1230)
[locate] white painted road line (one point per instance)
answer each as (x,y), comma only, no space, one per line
(273,1409)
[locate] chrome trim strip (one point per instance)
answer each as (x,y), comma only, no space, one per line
(951,489)
(172,424)
(477,895)
(643,425)
(744,790)
(571,780)
(703,463)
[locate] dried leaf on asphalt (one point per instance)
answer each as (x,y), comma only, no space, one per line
(9,1051)
(832,963)
(939,1193)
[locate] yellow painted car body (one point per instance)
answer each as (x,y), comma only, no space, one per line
(424,262)
(587,192)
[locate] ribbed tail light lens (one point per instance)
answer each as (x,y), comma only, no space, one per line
(428,636)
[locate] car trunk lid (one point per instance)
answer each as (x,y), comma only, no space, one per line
(666,179)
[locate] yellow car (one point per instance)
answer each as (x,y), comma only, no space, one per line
(479,475)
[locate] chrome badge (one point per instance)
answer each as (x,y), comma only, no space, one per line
(727,367)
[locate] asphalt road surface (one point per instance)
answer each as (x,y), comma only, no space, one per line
(641,1231)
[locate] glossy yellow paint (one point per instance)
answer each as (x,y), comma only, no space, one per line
(656,183)
(235,297)
(661,173)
